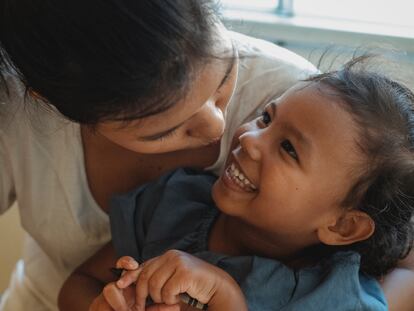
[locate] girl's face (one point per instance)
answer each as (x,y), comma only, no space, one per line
(196,121)
(291,168)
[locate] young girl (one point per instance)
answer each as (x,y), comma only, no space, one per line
(317,196)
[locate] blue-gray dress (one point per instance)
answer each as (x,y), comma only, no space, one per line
(177,212)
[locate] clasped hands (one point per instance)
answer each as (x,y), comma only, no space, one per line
(163,279)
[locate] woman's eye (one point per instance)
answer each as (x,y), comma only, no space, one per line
(265,118)
(288,147)
(166,136)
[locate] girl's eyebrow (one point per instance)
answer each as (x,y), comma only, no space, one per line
(302,139)
(274,108)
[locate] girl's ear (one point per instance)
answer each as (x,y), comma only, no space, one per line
(351,227)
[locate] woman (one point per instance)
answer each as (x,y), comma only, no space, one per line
(147,86)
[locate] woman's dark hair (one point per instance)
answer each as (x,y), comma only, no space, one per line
(383,110)
(99,60)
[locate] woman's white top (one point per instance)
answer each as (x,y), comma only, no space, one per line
(42,167)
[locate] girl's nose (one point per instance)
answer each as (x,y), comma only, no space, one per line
(251,143)
(208,124)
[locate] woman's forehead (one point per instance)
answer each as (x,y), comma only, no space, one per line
(201,90)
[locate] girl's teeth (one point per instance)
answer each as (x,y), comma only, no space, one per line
(240,179)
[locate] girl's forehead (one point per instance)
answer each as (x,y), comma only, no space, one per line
(321,118)
(296,88)
(311,93)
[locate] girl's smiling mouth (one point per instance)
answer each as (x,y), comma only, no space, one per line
(235,179)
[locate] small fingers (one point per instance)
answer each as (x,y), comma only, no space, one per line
(163,307)
(128,278)
(141,291)
(100,304)
(172,288)
(114,297)
(127,263)
(157,283)
(146,271)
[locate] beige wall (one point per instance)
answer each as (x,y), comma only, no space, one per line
(11,238)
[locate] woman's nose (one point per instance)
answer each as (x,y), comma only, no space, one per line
(208,124)
(251,143)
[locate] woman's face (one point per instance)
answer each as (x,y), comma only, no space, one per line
(197,120)
(292,167)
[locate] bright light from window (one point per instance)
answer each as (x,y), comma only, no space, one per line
(390,12)
(260,5)
(387,12)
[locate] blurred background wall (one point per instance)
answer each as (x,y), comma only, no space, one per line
(11,240)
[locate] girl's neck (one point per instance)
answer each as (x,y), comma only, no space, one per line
(232,237)
(236,238)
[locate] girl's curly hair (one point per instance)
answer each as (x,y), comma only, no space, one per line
(383,110)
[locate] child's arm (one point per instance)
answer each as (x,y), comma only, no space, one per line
(398,285)
(165,277)
(86,283)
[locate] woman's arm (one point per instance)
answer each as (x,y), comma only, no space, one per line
(398,285)
(87,281)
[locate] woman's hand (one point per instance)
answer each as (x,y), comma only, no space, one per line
(165,277)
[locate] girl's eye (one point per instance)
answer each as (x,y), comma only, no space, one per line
(265,118)
(288,147)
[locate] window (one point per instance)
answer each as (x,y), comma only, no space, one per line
(346,22)
(386,12)
(315,25)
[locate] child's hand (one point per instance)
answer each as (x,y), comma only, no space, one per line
(165,277)
(114,299)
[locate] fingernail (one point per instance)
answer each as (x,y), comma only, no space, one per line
(133,264)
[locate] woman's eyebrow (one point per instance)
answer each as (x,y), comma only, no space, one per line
(225,77)
(229,68)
